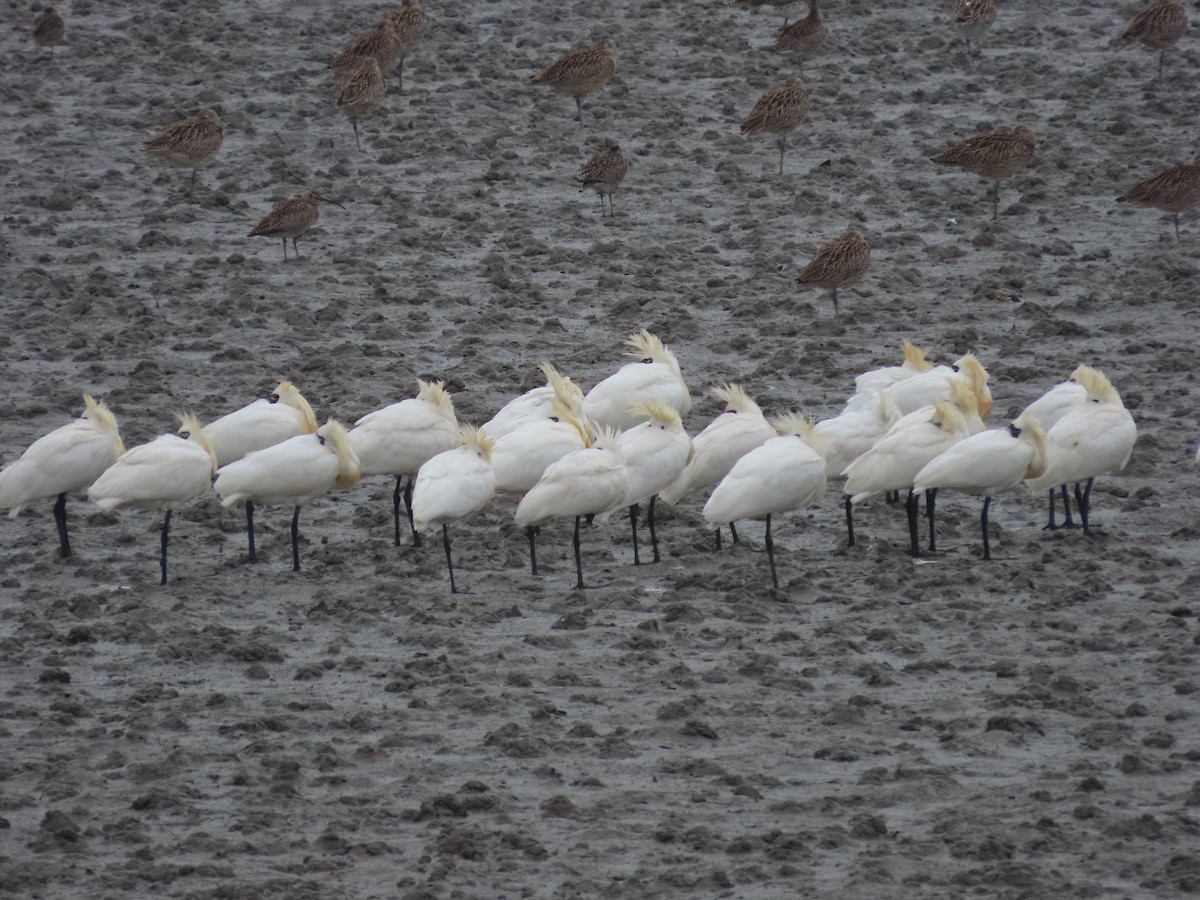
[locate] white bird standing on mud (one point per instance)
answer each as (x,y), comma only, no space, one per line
(988,463)
(453,485)
(919,391)
(909,445)
(66,460)
(536,404)
(655,376)
(399,439)
(725,440)
(1090,440)
(163,474)
(584,483)
(1048,409)
(848,436)
(521,457)
(656,453)
(261,424)
(783,474)
(290,474)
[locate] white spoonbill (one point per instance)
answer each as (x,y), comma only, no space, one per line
(987,463)
(896,458)
(1090,440)
(453,485)
(1048,409)
(655,376)
(399,439)
(914,363)
(521,457)
(66,460)
(725,440)
(536,404)
(848,436)
(163,474)
(261,424)
(584,483)
(656,453)
(783,474)
(290,474)
(911,394)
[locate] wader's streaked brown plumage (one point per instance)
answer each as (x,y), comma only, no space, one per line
(1174,191)
(411,25)
(1157,27)
(840,263)
(804,35)
(48,28)
(779,111)
(361,92)
(973,17)
(604,172)
(994,155)
(579,72)
(189,143)
(290,219)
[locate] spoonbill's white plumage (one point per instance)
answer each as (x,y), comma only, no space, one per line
(399,439)
(1090,440)
(453,485)
(914,363)
(849,435)
(290,474)
(908,446)
(987,463)
(656,452)
(521,456)
(919,391)
(1048,409)
(584,483)
(783,474)
(163,474)
(261,424)
(655,376)
(536,404)
(65,461)
(725,440)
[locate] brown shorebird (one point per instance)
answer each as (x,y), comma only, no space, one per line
(1175,190)
(973,17)
(411,25)
(840,263)
(779,111)
(382,43)
(604,172)
(290,218)
(189,143)
(48,28)
(1157,27)
(579,72)
(994,155)
(804,35)
(361,92)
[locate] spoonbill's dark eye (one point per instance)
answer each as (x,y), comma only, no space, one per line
(955,368)
(1014,430)
(321,439)
(274,398)
(647,360)
(554,418)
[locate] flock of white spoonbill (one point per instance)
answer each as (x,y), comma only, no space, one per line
(915,427)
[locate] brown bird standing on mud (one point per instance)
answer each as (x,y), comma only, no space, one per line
(361,92)
(579,72)
(840,263)
(604,172)
(411,24)
(804,35)
(189,143)
(48,28)
(1174,191)
(382,43)
(1157,27)
(778,111)
(994,155)
(291,218)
